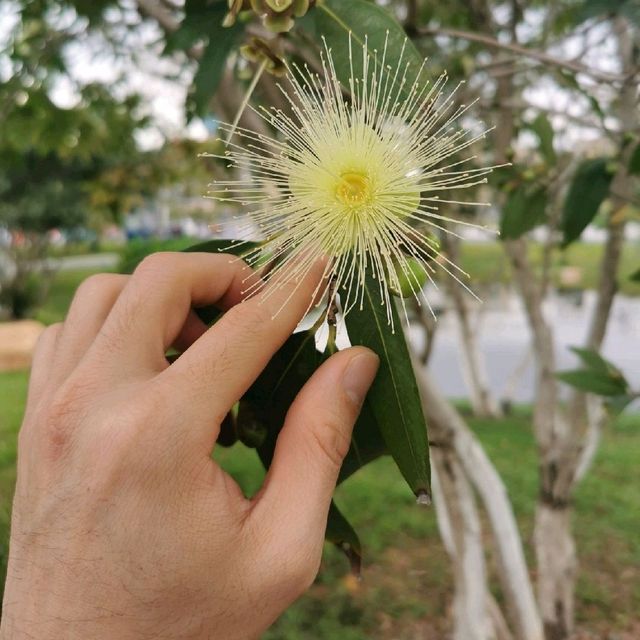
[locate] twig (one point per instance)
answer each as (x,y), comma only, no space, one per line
(534,54)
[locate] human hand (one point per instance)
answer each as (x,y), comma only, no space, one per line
(123,527)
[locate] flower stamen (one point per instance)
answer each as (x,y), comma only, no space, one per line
(353,188)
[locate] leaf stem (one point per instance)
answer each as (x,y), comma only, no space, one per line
(247,97)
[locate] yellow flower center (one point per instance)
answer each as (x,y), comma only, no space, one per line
(353,188)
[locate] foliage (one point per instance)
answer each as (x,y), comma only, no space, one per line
(406,579)
(391,420)
(600,377)
(589,188)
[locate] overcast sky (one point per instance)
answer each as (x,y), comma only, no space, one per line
(90,60)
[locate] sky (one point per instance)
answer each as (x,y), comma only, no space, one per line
(163,82)
(89,60)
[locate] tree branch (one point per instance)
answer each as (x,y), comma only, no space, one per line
(451,433)
(534,54)
(228,96)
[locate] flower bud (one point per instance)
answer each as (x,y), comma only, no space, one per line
(258,51)
(278,15)
(300,8)
(407,278)
(278,5)
(278,24)
(251,430)
(228,435)
(235,6)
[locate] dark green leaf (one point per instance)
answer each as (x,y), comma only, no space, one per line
(275,389)
(543,129)
(343,535)
(592,381)
(596,8)
(211,65)
(618,404)
(336,19)
(524,210)
(634,161)
(394,398)
(630,9)
(271,396)
(202,20)
(590,186)
(593,360)
(238,248)
(635,276)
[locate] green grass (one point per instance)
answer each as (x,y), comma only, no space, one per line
(488,264)
(63,287)
(407,583)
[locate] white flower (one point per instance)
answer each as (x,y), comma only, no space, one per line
(355,180)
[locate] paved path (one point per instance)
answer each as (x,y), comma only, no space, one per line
(89,261)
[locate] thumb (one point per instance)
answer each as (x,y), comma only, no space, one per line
(312,445)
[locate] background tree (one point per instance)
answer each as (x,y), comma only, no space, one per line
(582,53)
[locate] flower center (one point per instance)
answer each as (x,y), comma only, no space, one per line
(353,188)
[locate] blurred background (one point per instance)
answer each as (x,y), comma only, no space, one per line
(104,108)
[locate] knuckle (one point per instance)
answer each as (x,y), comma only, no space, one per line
(67,407)
(252,317)
(156,264)
(48,336)
(98,284)
(331,440)
(57,423)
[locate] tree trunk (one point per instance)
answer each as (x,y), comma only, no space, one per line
(473,367)
(555,554)
(567,462)
(450,432)
(556,557)
(461,533)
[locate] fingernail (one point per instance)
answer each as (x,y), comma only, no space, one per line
(359,375)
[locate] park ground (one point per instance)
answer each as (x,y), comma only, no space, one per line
(406,587)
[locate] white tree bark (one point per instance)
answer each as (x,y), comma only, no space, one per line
(473,366)
(557,565)
(461,533)
(448,429)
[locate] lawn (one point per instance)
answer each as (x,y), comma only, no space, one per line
(406,589)
(488,264)
(406,586)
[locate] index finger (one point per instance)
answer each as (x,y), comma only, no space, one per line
(157,300)
(214,373)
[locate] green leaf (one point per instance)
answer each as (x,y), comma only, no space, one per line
(279,384)
(630,9)
(275,389)
(336,19)
(635,276)
(596,8)
(271,396)
(202,18)
(568,79)
(524,210)
(592,381)
(211,66)
(238,248)
(394,398)
(617,404)
(543,129)
(590,186)
(594,361)
(634,161)
(342,534)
